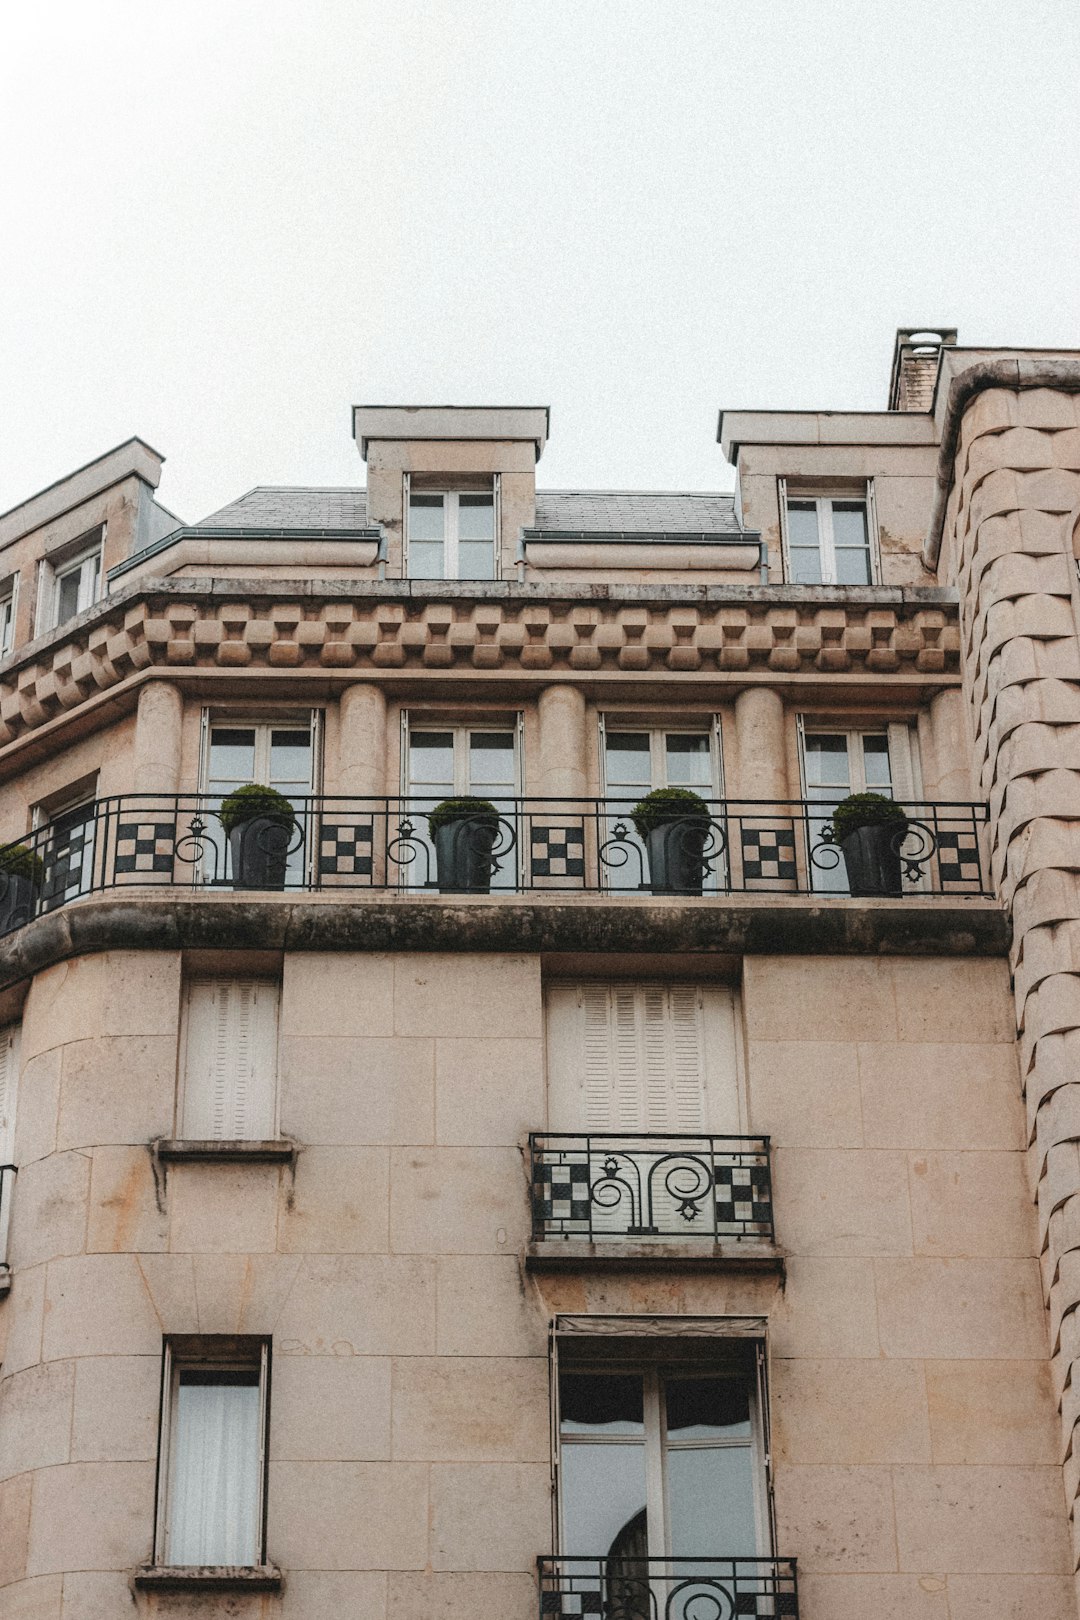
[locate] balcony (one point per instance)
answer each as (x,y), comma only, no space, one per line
(554,847)
(609,1199)
(7,1187)
(630,1588)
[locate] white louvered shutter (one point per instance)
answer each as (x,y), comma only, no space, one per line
(9,1076)
(642,1058)
(230,1078)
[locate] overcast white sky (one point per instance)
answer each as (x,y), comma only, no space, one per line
(225,223)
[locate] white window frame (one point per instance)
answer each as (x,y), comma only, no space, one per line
(450,497)
(54,570)
(790,490)
(653,1368)
(658,732)
(904,767)
(462,729)
(9,606)
(263,724)
(210,1354)
(183,1051)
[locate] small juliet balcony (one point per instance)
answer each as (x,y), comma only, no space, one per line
(631,1588)
(555,848)
(678,1200)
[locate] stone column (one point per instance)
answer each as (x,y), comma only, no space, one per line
(564,768)
(760,745)
(1016,479)
(947,774)
(158,728)
(362,740)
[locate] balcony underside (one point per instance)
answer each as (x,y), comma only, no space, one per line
(689,1254)
(147,919)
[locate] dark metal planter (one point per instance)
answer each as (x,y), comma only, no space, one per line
(872,858)
(463,854)
(676,856)
(17,895)
(260,853)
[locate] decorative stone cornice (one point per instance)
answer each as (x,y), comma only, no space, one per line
(343,628)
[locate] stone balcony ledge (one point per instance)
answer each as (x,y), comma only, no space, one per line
(209,1578)
(736,925)
(624,1254)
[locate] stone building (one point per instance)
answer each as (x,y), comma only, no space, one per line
(556,1212)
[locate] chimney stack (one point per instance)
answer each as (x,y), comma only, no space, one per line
(915,365)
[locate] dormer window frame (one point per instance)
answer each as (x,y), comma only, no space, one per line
(451,498)
(9,606)
(824,495)
(82,560)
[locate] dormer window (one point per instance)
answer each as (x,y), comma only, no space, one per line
(451,534)
(71,581)
(8,589)
(828,538)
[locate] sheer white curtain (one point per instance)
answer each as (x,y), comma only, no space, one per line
(214,1496)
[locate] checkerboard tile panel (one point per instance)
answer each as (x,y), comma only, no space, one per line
(743,1197)
(345,849)
(768,855)
(557,852)
(145,846)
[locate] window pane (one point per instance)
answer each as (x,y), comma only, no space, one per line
(425,518)
(711,1501)
(476,517)
(214,1495)
(805,566)
(827,773)
(876,762)
(849,523)
(232,754)
(431,760)
(603,1500)
(491,759)
(707,1409)
(290,758)
(425,560)
(628,760)
(67,598)
(601,1403)
(689,761)
(476,559)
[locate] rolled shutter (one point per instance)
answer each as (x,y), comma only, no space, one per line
(642,1058)
(230,1079)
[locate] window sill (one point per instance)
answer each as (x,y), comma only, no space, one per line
(619,1254)
(274,1150)
(209,1577)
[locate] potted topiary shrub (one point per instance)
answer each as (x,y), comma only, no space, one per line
(673,824)
(21,872)
(259,823)
(464,833)
(870,829)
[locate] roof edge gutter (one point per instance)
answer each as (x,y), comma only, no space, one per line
(1015,374)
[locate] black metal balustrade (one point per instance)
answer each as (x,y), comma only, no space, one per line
(629,1588)
(538,846)
(603,1187)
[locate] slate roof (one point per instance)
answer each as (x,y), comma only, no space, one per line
(635,512)
(270,507)
(267,508)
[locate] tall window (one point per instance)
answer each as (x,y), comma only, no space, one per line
(660,1461)
(458,761)
(451,535)
(76,579)
(637,761)
(274,753)
(836,763)
(7,615)
(211,1460)
(229,1067)
(828,540)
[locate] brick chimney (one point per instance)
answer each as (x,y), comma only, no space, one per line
(915,364)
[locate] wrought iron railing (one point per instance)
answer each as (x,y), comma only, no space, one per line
(603,1187)
(630,1588)
(7,1187)
(531,845)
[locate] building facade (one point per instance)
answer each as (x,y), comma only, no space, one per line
(540,1207)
